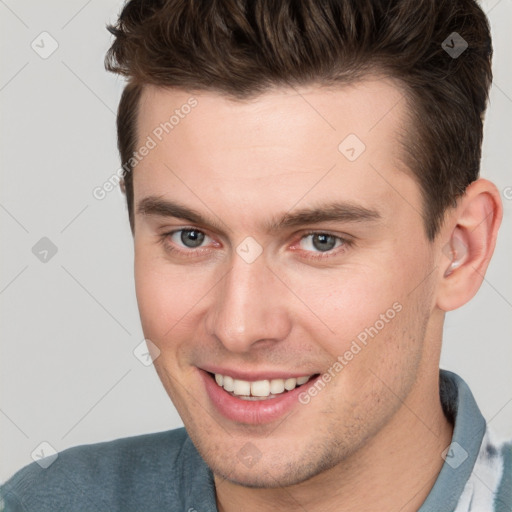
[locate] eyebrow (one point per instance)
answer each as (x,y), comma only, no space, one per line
(333,211)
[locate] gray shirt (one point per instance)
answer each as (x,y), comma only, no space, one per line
(164,472)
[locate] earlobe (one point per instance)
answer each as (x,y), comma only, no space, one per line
(470,237)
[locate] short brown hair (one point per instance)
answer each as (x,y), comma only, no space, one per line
(241,48)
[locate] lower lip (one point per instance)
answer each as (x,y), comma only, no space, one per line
(252,412)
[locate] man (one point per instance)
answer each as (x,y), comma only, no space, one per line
(302,186)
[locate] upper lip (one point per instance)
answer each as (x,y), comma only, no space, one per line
(255,375)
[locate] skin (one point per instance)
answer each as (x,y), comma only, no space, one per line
(243,164)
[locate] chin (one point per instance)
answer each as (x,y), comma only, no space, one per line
(262,478)
(268,473)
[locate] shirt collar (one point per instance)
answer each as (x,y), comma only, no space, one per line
(461,409)
(197,488)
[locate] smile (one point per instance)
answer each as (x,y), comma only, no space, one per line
(256,401)
(260,389)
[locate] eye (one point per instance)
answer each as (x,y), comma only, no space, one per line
(322,242)
(189,238)
(193,242)
(320,246)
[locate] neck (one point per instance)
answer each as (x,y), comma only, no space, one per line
(395,470)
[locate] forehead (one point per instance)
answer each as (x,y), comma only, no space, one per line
(280,147)
(360,107)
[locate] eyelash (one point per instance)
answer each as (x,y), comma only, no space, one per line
(346,243)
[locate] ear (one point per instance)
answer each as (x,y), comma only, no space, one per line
(467,244)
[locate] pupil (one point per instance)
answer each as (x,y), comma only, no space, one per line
(324,242)
(192,238)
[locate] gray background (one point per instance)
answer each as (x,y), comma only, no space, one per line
(70,324)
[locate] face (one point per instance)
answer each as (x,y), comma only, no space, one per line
(271,246)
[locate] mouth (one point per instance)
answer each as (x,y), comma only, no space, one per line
(260,389)
(255,402)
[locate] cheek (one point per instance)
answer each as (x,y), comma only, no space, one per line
(168,296)
(347,300)
(157,294)
(365,313)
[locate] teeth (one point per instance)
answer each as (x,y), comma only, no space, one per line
(228,383)
(257,398)
(258,389)
(276,386)
(290,384)
(242,387)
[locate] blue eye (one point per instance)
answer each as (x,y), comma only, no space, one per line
(189,238)
(193,243)
(322,242)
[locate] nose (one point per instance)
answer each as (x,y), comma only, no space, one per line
(249,307)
